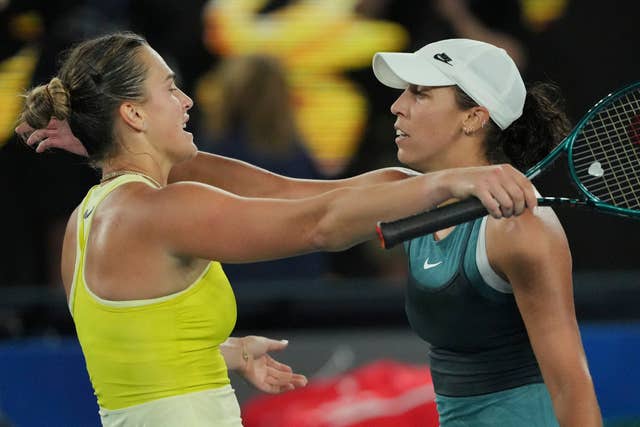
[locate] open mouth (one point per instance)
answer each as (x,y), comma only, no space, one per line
(400,135)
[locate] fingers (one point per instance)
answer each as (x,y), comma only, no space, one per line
(504,199)
(512,192)
(274,364)
(281,377)
(57,134)
(279,385)
(491,205)
(299,380)
(511,199)
(276,345)
(37,136)
(44,145)
(522,191)
(530,195)
(34,136)
(24,130)
(266,373)
(259,345)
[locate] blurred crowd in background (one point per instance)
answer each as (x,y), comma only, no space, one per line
(287,85)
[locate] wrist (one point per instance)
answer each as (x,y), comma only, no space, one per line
(235,354)
(244,355)
(441,186)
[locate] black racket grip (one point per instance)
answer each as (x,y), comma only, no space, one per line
(394,232)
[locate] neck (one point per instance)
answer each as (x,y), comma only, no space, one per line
(457,157)
(150,170)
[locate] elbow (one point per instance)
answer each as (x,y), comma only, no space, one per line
(337,227)
(323,239)
(329,236)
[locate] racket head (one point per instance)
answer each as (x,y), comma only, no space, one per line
(603,152)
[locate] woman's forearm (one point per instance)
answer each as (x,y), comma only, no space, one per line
(576,405)
(351,214)
(579,413)
(228,174)
(247,180)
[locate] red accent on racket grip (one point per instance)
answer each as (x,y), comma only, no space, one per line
(380,236)
(635,130)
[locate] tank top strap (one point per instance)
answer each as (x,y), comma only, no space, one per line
(86,212)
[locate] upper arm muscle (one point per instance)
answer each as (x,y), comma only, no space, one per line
(69,246)
(205,222)
(532,252)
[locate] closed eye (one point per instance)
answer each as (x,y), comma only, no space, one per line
(171,77)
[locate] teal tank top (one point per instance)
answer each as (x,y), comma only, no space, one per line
(468,315)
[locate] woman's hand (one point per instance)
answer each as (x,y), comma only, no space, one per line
(264,372)
(503,190)
(57,134)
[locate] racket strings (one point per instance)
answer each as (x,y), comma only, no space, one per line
(612,197)
(606,152)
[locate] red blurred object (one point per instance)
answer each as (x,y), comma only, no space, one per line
(382,394)
(634,131)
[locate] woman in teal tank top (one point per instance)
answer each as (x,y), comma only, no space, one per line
(494,298)
(139,249)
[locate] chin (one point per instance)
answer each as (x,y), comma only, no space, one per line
(416,162)
(187,152)
(403,158)
(193,148)
(412,164)
(191,153)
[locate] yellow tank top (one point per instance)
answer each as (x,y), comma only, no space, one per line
(139,351)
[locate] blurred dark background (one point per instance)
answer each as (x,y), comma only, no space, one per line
(342,127)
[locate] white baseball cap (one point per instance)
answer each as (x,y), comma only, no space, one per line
(483,71)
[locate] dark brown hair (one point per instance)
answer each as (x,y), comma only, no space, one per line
(533,135)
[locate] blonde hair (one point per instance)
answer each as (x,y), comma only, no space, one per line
(44,102)
(95,78)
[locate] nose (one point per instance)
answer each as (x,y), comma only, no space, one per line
(398,108)
(188,102)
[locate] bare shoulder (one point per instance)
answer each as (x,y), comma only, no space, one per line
(150,219)
(531,242)
(187,191)
(140,205)
(530,232)
(151,209)
(134,226)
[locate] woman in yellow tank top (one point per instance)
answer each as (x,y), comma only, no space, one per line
(152,312)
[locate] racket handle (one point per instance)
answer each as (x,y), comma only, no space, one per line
(394,232)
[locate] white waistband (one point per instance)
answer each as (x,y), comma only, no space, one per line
(213,407)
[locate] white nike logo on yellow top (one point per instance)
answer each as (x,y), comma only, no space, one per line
(428,266)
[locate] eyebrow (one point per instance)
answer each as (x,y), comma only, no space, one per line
(171,76)
(420,89)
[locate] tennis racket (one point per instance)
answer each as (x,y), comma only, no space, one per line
(603,156)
